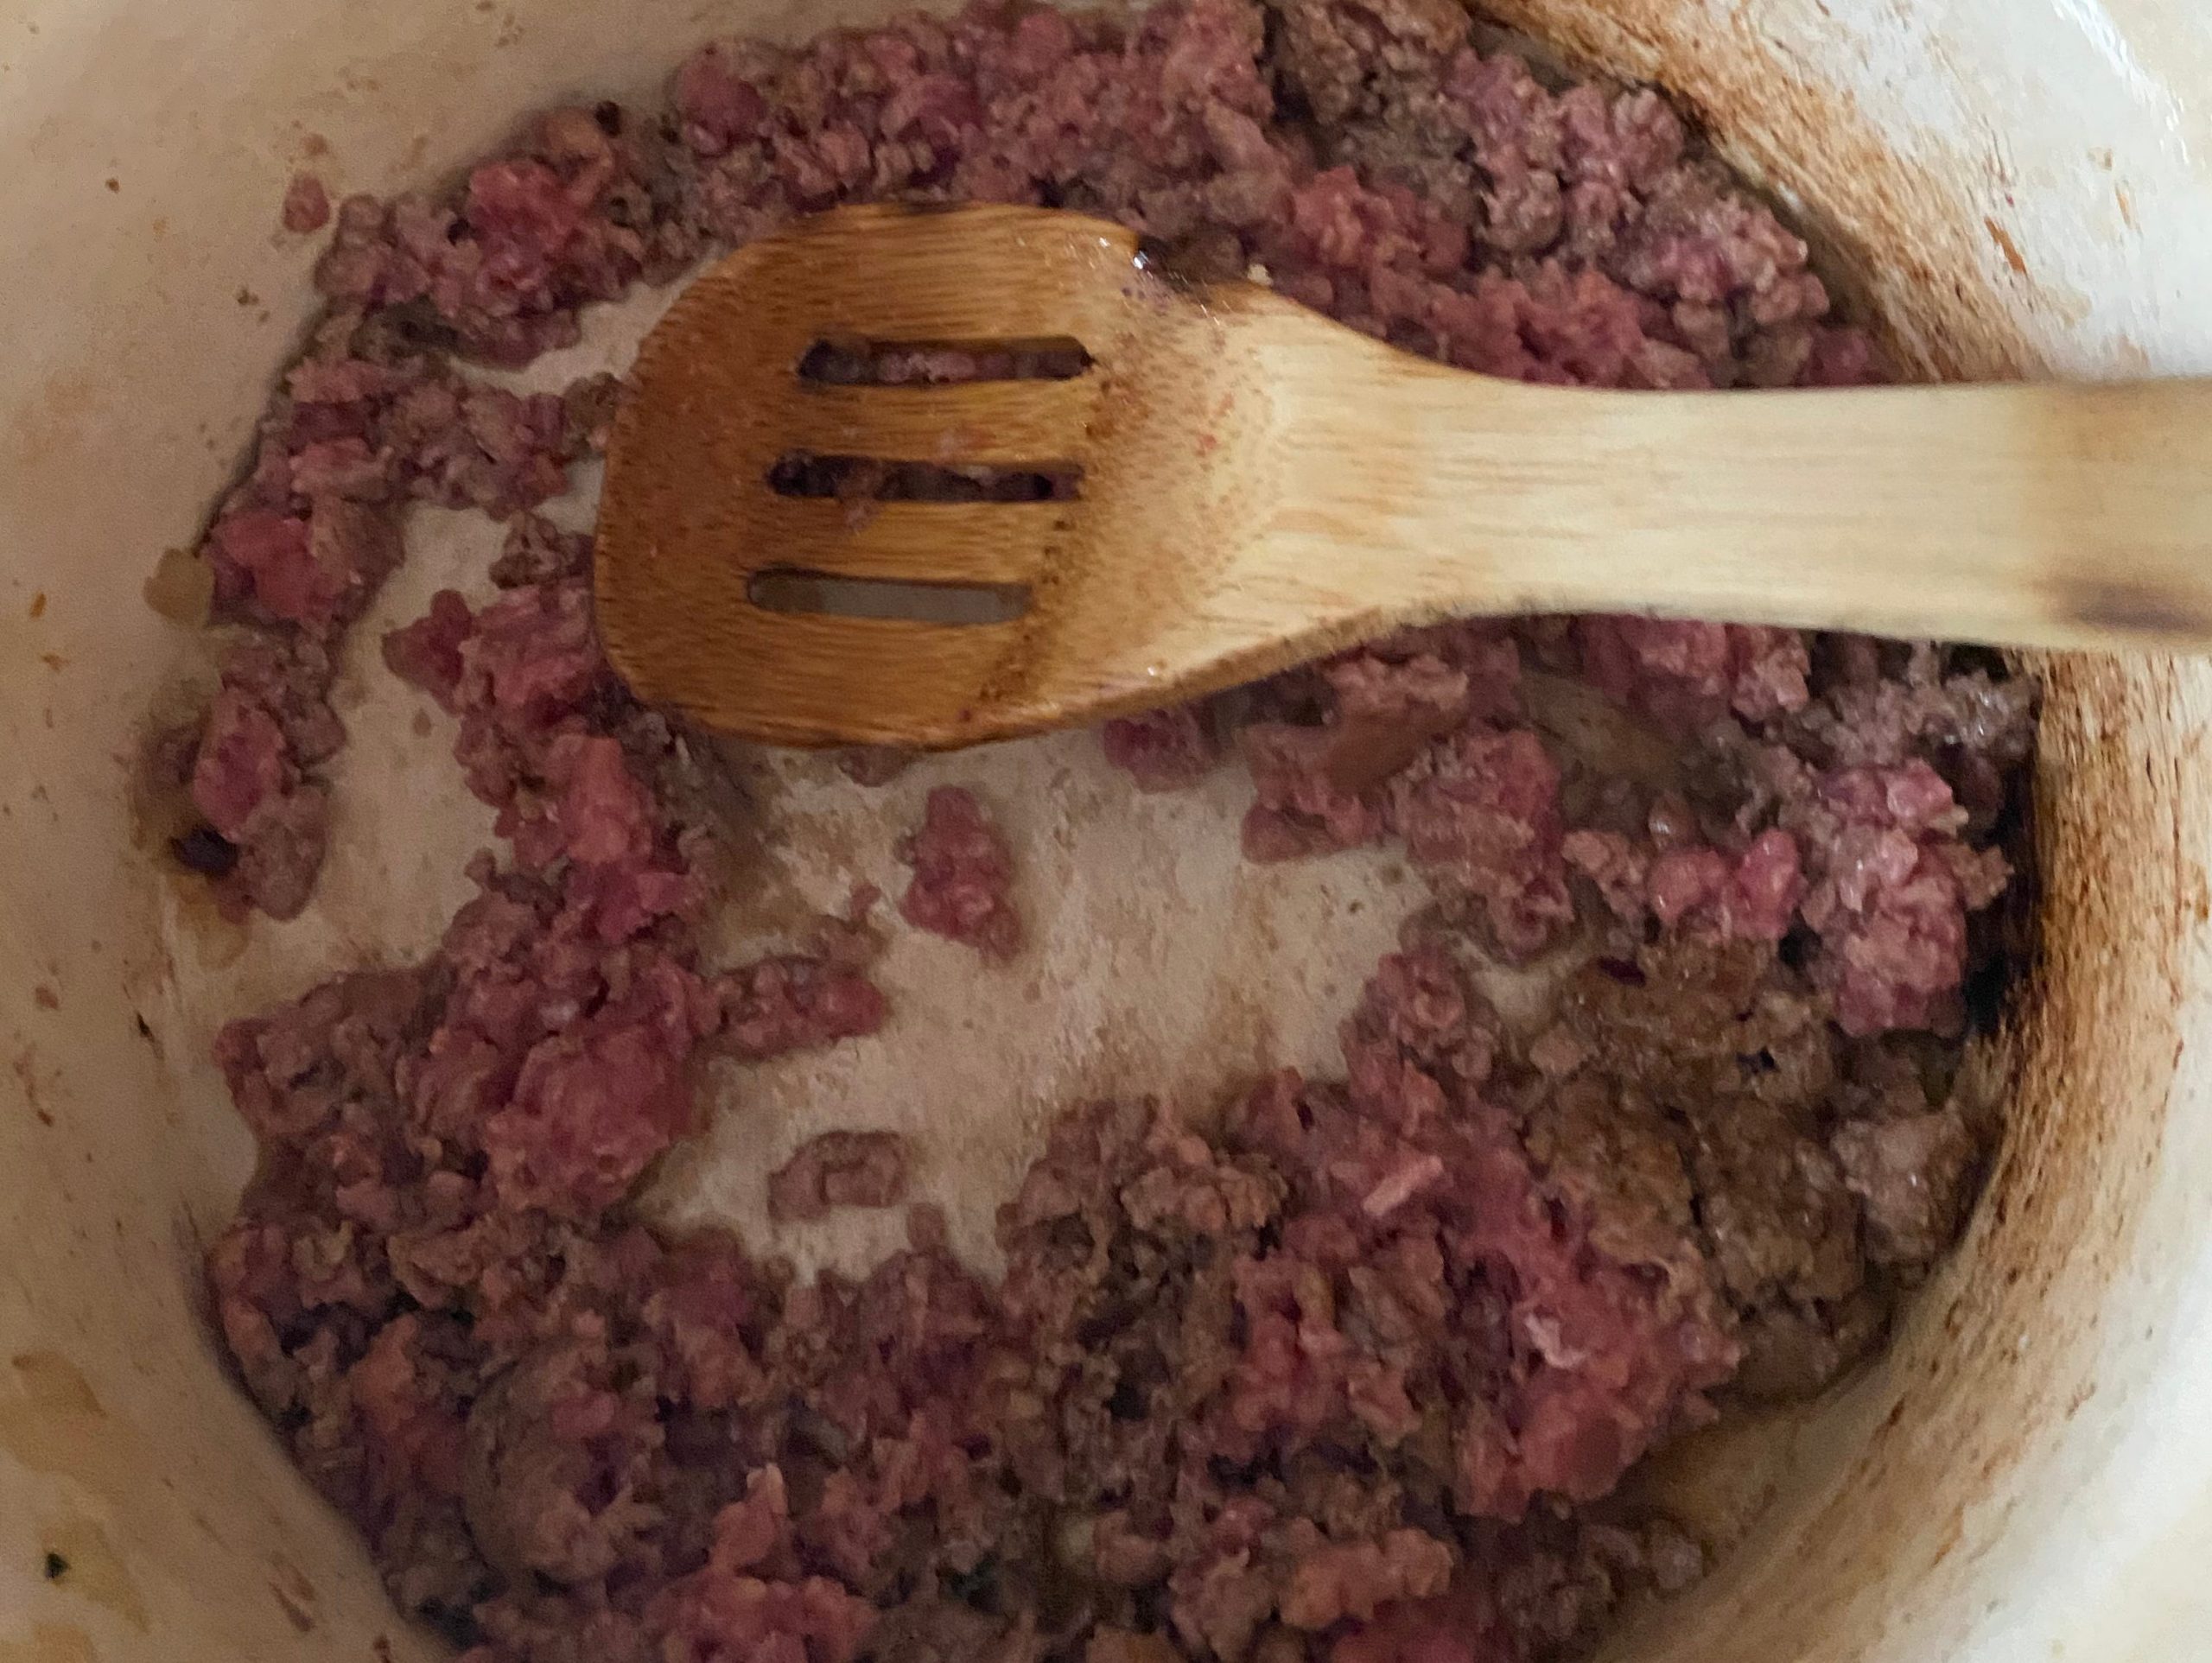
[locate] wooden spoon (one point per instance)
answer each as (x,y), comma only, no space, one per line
(1232,484)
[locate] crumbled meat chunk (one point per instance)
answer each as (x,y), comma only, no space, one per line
(251,780)
(1609,1149)
(1163,749)
(299,548)
(962,873)
(594,1104)
(242,765)
(313,569)
(1481,811)
(1891,895)
(307,205)
(1774,1206)
(728,1612)
(1347,61)
(538,551)
(280,856)
(556,1480)
(795,1002)
(427,653)
(574,216)
(1683,676)
(1753,893)
(1911,1175)
(839,1168)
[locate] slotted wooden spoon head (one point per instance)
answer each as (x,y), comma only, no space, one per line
(743,524)
(1230,484)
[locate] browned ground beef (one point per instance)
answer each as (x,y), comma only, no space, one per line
(839,1168)
(1351,1372)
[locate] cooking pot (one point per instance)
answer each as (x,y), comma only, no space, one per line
(2012,187)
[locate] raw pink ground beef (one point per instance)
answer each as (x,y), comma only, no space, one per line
(962,871)
(307,205)
(1350,1374)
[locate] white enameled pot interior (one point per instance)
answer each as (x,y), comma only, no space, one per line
(2015,186)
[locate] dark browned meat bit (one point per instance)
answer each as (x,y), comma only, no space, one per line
(1163,749)
(839,1168)
(538,551)
(206,851)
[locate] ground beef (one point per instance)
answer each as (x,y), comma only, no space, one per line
(575,215)
(1753,892)
(1891,893)
(538,551)
(795,1001)
(1911,1174)
(248,774)
(1163,749)
(840,1169)
(1480,810)
(962,873)
(1334,1377)
(557,1478)
(307,205)
(1683,676)
(1423,739)
(298,549)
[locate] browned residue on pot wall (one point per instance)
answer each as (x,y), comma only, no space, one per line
(80,1561)
(49,1643)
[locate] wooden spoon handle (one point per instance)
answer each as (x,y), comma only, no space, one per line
(2061,516)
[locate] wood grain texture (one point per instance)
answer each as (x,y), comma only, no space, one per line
(1260,486)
